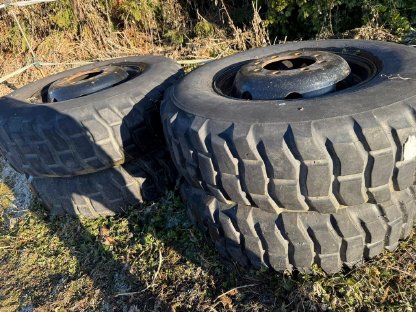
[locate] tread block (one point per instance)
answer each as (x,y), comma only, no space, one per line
(352,161)
(110,117)
(405,174)
(232,187)
(198,133)
(97,130)
(232,239)
(301,252)
(305,143)
(288,194)
(47,157)
(406,202)
(192,171)
(255,176)
(252,242)
(217,193)
(276,246)
(327,243)
(176,152)
(353,242)
(369,131)
(352,191)
(85,148)
(207,169)
(264,202)
(283,164)
(383,165)
(69,161)
(381,193)
(318,179)
(374,228)
(324,204)
(109,152)
(223,156)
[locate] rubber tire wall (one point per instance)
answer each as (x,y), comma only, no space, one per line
(351,152)
(252,236)
(89,133)
(110,191)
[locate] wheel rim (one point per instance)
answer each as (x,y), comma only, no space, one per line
(309,73)
(87,82)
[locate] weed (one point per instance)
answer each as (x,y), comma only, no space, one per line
(204,29)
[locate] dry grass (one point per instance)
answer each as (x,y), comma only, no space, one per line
(370,33)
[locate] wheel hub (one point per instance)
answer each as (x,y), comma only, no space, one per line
(86,82)
(293,74)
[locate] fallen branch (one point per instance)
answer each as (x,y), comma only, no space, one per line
(192,62)
(23,3)
(148,286)
(16,72)
(234,289)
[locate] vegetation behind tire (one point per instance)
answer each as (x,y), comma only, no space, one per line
(297,19)
(352,151)
(178,22)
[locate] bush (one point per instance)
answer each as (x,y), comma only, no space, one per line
(306,19)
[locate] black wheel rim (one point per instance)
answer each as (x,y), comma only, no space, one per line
(362,67)
(87,82)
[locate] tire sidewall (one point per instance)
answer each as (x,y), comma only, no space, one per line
(394,82)
(157,70)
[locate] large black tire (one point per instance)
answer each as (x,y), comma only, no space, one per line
(322,154)
(110,191)
(289,183)
(286,240)
(88,133)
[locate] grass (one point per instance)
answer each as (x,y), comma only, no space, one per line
(153,259)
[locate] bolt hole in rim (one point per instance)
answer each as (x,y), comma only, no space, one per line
(88,82)
(361,65)
(288,64)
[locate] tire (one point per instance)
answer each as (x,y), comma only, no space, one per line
(347,148)
(87,133)
(289,240)
(110,191)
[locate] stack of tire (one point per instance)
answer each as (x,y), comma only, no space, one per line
(90,138)
(291,155)
(319,174)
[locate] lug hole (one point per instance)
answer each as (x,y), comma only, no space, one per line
(293,95)
(246,95)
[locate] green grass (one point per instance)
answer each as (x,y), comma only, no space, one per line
(152,258)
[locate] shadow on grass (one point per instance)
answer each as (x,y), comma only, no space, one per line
(152,259)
